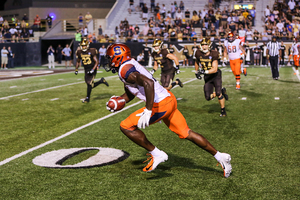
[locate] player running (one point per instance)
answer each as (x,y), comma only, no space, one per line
(164,58)
(89,57)
(296,54)
(161,104)
(207,64)
(232,49)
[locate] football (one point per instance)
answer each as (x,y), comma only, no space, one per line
(116,103)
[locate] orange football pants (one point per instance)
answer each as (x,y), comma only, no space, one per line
(296,60)
(235,66)
(165,110)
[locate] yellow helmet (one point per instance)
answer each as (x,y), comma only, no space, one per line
(207,42)
(157,43)
(84,44)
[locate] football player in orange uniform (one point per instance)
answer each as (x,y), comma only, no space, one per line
(232,49)
(89,57)
(160,104)
(208,60)
(164,58)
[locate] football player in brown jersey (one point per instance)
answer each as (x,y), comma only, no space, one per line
(89,57)
(164,58)
(207,64)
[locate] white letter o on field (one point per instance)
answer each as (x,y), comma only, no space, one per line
(105,156)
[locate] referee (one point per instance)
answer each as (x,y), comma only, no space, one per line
(273,52)
(102,53)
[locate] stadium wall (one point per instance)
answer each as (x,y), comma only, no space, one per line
(26,54)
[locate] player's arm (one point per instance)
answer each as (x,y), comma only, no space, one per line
(174,58)
(128,96)
(96,61)
(225,53)
(155,66)
(243,49)
(148,84)
(214,68)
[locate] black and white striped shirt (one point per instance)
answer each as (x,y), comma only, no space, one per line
(273,48)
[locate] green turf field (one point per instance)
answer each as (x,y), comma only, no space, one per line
(261,132)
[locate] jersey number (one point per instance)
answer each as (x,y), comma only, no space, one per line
(86,60)
(206,65)
(231,49)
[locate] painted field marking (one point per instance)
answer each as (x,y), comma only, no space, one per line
(54,99)
(13,86)
(50,88)
(244,98)
(276,98)
(72,131)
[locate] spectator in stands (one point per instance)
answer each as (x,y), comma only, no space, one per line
(152,5)
(13,31)
(5,24)
(253,15)
(187,14)
(195,18)
(181,6)
(267,12)
(242,20)
(150,35)
(25,18)
(78,36)
(67,53)
(145,29)
(131,6)
(179,14)
(135,36)
(193,35)
(217,19)
(85,31)
(249,34)
(172,34)
(224,20)
(291,4)
(145,12)
(25,35)
(80,20)
(100,31)
(173,10)
(156,9)
(49,21)
(137,29)
(88,17)
(1,20)
(7,36)
(156,29)
(37,22)
(265,36)
(163,11)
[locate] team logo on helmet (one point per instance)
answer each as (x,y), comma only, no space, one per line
(231,37)
(84,44)
(116,55)
(157,43)
(207,42)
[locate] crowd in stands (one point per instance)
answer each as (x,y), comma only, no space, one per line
(176,24)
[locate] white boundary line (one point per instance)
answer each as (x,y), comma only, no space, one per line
(296,74)
(41,90)
(72,131)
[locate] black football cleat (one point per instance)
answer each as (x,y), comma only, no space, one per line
(86,100)
(224,93)
(179,82)
(104,81)
(223,114)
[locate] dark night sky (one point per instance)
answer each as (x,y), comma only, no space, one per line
(2,2)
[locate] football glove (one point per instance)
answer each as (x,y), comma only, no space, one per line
(198,75)
(91,72)
(202,71)
(152,71)
(76,71)
(177,69)
(144,118)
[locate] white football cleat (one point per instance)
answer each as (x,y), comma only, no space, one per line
(225,164)
(155,161)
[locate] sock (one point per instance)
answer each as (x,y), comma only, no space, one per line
(222,110)
(89,90)
(97,83)
(237,78)
(218,156)
(173,84)
(155,152)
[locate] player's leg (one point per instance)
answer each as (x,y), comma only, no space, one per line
(208,89)
(89,80)
(177,123)
(129,128)
(296,64)
(220,93)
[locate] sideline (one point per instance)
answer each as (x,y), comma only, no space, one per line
(50,88)
(73,131)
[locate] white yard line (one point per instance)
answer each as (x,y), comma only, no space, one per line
(41,90)
(72,131)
